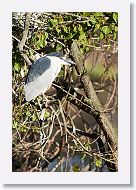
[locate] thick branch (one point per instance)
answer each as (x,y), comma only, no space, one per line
(101,118)
(24,38)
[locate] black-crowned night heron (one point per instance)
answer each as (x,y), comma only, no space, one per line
(42,73)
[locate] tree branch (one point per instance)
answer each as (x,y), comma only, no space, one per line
(24,38)
(101,118)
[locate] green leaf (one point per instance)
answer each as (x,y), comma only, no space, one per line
(98,162)
(47,114)
(92,19)
(34,118)
(115,16)
(101,35)
(98,14)
(76,168)
(75,29)
(15,125)
(46,35)
(59,47)
(116,29)
(17,67)
(70,35)
(88,23)
(28,113)
(41,43)
(97,26)
(80,28)
(82,35)
(106,29)
(87,49)
(54,22)
(23,129)
(35,129)
(65,29)
(85,14)
(58,30)
(85,42)
(114,35)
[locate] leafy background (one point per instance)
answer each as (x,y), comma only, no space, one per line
(96,34)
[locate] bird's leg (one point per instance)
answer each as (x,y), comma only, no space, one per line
(42,133)
(46,100)
(42,114)
(40,105)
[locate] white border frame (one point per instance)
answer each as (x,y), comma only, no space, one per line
(123,174)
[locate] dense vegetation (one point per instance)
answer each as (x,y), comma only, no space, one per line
(46,133)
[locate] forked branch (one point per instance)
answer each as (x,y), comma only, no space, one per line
(107,127)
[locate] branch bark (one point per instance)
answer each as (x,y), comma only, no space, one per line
(24,38)
(107,127)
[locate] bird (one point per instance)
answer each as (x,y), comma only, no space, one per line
(42,73)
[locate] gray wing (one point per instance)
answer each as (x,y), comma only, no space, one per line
(38,68)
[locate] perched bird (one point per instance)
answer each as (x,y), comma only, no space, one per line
(42,73)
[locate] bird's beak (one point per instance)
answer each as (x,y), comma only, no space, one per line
(68,61)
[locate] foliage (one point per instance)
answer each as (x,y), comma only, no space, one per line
(66,27)
(50,32)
